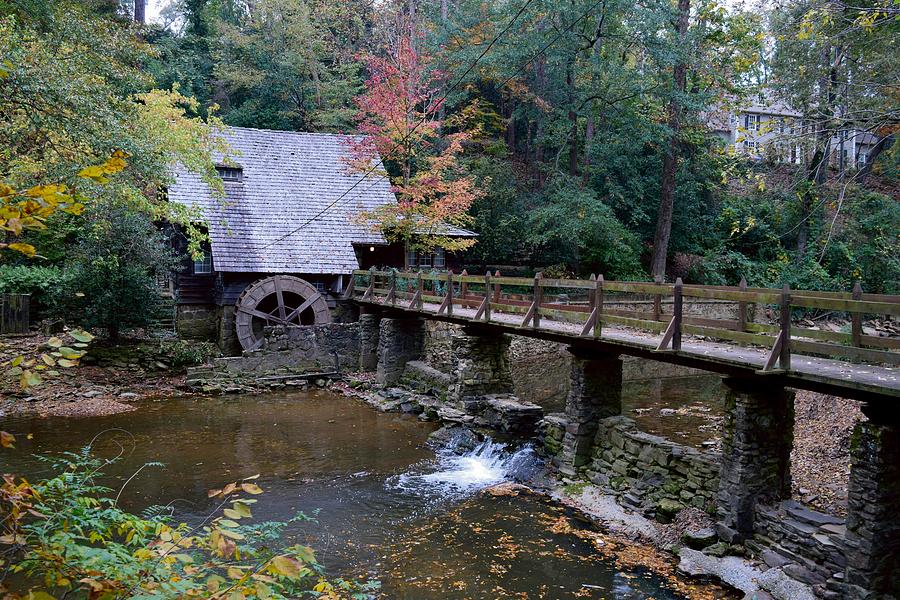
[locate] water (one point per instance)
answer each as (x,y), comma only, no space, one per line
(387,506)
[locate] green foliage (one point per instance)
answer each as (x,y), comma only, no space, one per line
(68,535)
(43,283)
(188,353)
(112,269)
(582,231)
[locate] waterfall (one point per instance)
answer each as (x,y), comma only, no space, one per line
(461,474)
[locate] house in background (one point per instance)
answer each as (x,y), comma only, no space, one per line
(285,238)
(770,129)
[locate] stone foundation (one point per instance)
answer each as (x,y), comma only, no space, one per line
(481,364)
(595,392)
(196,322)
(807,544)
(756,448)
(399,341)
(873,516)
(369,325)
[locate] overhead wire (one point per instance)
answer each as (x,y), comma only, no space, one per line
(487,49)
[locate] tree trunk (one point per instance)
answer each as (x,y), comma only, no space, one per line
(883,144)
(670,159)
(817,172)
(140,11)
(573,120)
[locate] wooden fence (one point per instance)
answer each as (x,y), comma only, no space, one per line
(14,315)
(594,303)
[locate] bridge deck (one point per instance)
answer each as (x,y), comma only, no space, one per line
(851,380)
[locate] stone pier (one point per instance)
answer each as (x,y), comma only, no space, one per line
(595,392)
(481,363)
(399,341)
(756,447)
(369,324)
(873,517)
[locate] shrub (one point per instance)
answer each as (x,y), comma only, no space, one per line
(68,533)
(45,284)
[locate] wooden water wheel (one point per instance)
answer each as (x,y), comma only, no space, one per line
(277,300)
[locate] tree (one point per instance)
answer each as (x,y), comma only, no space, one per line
(290,64)
(399,117)
(113,268)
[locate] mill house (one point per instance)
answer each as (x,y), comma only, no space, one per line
(285,237)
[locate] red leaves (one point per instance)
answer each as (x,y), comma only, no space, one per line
(399,115)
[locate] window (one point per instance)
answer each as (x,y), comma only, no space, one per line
(426,260)
(230,173)
(862,158)
(203,265)
(780,125)
(320,286)
(751,122)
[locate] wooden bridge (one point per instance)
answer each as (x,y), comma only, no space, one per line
(760,337)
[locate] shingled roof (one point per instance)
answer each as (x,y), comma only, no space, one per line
(289,178)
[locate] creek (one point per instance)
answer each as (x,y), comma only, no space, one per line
(387,506)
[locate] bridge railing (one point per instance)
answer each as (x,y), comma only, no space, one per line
(660,308)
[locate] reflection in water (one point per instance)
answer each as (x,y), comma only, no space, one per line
(387,507)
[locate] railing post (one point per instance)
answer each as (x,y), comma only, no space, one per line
(598,304)
(487,296)
(856,318)
(393,291)
(420,287)
(742,307)
(657,299)
(449,292)
(463,286)
(784,357)
(497,288)
(592,292)
(676,314)
(538,298)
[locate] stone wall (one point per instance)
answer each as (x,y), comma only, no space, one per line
(481,364)
(196,322)
(438,345)
(807,544)
(298,350)
(399,341)
(647,472)
(540,369)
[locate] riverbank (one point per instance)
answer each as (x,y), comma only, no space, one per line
(106,381)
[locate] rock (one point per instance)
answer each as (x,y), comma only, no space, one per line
(773,559)
(669,507)
(667,412)
(92,394)
(812,517)
(801,573)
(126,395)
(717,550)
(698,539)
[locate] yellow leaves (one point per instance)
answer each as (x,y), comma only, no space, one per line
(286,566)
(26,249)
(251,488)
(113,164)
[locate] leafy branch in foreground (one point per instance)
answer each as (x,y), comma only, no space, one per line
(69,538)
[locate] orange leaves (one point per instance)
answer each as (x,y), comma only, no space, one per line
(7,440)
